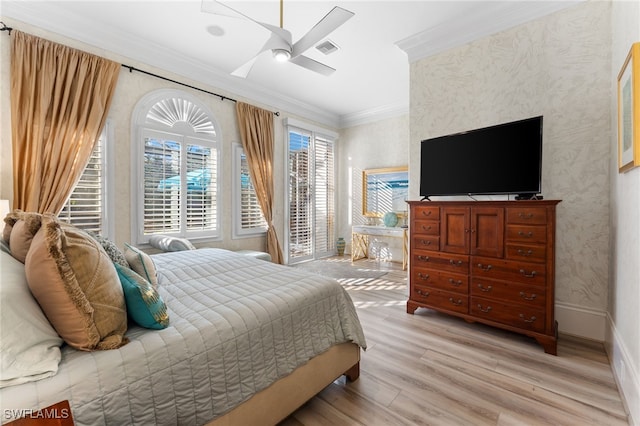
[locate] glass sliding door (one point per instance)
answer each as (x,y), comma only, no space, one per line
(311,196)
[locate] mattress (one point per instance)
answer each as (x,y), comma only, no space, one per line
(237,325)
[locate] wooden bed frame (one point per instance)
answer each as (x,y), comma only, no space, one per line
(275,403)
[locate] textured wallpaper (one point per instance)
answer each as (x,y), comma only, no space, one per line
(559,67)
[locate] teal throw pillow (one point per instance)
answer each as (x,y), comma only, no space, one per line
(144,304)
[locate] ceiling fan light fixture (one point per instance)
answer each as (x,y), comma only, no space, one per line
(281,55)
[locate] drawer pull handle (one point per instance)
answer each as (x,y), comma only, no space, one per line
(423,276)
(485,310)
(423,258)
(485,268)
(455,302)
(530,320)
(522,215)
(525,297)
(426,213)
(528,234)
(525,253)
(423,293)
(531,275)
(426,243)
(426,228)
(485,289)
(455,283)
(454,263)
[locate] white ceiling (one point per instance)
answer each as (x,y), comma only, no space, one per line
(376,45)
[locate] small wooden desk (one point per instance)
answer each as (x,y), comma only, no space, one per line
(360,240)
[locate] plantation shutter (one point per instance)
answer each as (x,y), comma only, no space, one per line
(324,195)
(177,192)
(300,196)
(202,184)
(251,213)
(162,185)
(85,205)
(311,196)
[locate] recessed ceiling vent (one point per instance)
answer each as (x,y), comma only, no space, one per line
(327,47)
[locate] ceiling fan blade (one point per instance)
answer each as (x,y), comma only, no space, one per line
(217,8)
(332,20)
(312,65)
(274,42)
(243,70)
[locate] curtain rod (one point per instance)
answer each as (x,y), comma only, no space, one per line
(4,27)
(222,97)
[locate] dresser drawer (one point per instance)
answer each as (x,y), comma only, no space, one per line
(440,299)
(527,215)
(527,252)
(426,227)
(508,270)
(441,261)
(513,314)
(425,242)
(527,233)
(528,295)
(426,212)
(443,280)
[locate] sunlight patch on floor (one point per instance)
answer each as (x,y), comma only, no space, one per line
(365,305)
(377,287)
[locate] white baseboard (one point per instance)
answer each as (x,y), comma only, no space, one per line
(624,371)
(580,321)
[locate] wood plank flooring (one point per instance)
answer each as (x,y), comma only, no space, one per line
(433,369)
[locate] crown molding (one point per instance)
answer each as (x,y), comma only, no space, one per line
(373,114)
(472,27)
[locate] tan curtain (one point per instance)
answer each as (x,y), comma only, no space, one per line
(59,102)
(256,131)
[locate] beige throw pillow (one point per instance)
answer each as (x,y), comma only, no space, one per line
(9,220)
(22,234)
(77,286)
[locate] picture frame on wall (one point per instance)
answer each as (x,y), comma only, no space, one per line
(629,111)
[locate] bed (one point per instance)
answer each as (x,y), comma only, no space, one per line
(248,342)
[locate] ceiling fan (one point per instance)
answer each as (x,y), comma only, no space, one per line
(280,42)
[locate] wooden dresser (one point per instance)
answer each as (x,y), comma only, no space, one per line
(487,261)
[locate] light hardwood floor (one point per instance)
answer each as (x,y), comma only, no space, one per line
(433,369)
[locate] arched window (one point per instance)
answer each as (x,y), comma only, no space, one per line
(175,167)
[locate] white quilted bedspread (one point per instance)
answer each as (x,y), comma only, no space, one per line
(237,325)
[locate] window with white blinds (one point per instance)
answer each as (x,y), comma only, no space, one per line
(324,196)
(311,196)
(178,170)
(248,217)
(85,206)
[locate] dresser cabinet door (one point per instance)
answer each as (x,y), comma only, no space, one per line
(454,236)
(487,231)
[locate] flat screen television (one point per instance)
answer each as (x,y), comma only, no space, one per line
(501,159)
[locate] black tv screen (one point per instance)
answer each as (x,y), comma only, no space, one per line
(501,159)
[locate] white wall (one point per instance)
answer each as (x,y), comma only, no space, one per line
(368,146)
(623,332)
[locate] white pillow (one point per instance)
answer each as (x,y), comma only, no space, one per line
(29,345)
(166,243)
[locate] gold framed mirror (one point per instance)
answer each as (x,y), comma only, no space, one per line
(385,190)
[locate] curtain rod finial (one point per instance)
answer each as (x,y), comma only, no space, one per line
(5,28)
